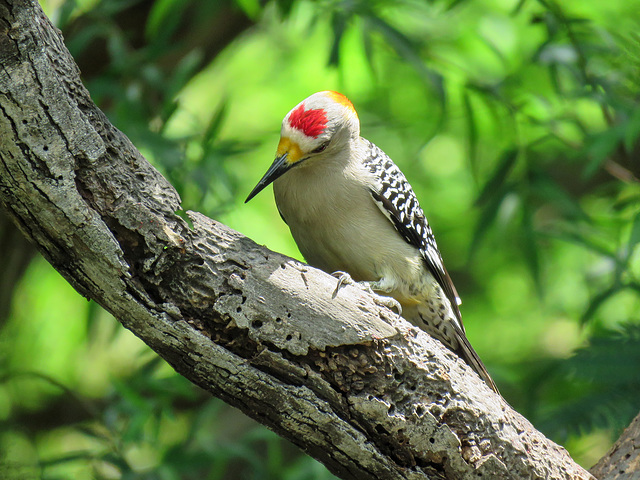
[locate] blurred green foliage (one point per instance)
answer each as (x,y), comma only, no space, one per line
(518,125)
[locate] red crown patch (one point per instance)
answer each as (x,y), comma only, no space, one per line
(310,122)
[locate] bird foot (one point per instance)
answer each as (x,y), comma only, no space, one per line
(343,279)
(389,302)
(384,301)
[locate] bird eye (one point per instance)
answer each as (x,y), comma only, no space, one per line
(321,148)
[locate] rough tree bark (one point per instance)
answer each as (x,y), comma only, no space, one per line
(347,380)
(622,461)
(195,33)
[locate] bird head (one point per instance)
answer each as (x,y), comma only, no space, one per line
(314,129)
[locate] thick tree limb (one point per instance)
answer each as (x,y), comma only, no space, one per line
(345,379)
(195,33)
(622,461)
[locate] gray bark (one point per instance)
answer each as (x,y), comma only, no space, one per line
(622,461)
(344,378)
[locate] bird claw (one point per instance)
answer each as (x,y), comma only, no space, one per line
(389,302)
(345,279)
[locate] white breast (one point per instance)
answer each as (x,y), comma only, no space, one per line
(337,225)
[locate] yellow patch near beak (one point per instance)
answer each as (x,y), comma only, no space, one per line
(290,147)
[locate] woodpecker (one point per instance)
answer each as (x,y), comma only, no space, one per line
(350,209)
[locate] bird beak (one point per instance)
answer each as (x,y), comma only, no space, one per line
(277,168)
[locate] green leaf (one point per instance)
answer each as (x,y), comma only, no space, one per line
(634,237)
(600,384)
(117,460)
(251,7)
(550,191)
(93,432)
(632,130)
(612,357)
(570,234)
(516,10)
(631,200)
(71,457)
(164,19)
(285,7)
(472,131)
(601,147)
(81,41)
(407,49)
(530,247)
(181,74)
(367,43)
(212,130)
(596,301)
(498,177)
(94,311)
(64,14)
(487,217)
(454,4)
(338,25)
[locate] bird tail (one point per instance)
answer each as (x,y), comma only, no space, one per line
(469,355)
(450,331)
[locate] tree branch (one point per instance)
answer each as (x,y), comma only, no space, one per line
(622,461)
(345,379)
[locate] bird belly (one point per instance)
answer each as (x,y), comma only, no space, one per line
(342,229)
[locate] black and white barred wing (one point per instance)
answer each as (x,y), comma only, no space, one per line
(396,199)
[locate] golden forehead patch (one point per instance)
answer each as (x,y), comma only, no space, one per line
(342,100)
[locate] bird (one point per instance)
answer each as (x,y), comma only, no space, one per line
(352,213)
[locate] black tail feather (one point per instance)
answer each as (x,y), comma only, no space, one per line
(469,355)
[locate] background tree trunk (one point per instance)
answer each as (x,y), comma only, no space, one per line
(622,461)
(345,379)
